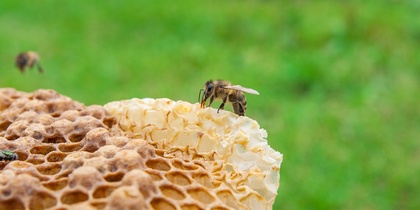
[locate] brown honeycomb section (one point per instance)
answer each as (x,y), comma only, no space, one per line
(72,156)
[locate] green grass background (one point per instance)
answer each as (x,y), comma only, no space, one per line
(338,80)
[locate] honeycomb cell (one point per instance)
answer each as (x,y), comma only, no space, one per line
(36,159)
(49,169)
(154,175)
(74,196)
(162,203)
(4,125)
(11,136)
(171,191)
(103,191)
(114,177)
(69,147)
(158,164)
(54,139)
(203,178)
(178,178)
(56,185)
(109,121)
(76,137)
(42,149)
(200,194)
(56,156)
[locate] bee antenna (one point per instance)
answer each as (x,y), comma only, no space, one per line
(199,95)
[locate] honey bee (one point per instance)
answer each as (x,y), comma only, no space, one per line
(7,155)
(224,90)
(28,60)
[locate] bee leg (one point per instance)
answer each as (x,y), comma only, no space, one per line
(238,109)
(222,106)
(241,109)
(238,103)
(211,100)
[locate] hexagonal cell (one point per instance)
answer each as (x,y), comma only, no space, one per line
(158,164)
(4,125)
(201,194)
(114,177)
(154,174)
(42,149)
(109,121)
(36,159)
(178,178)
(69,147)
(76,137)
(74,196)
(203,178)
(49,169)
(56,184)
(56,156)
(11,136)
(172,192)
(162,203)
(54,139)
(103,191)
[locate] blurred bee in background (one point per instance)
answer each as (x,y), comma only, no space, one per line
(28,60)
(7,155)
(224,90)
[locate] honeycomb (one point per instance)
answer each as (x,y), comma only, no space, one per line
(132,154)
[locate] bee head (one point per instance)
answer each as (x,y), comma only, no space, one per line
(208,88)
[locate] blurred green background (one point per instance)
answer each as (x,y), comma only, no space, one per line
(339,81)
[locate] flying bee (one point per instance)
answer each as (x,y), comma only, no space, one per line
(224,90)
(7,155)
(28,60)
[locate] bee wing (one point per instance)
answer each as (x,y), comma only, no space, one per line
(243,89)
